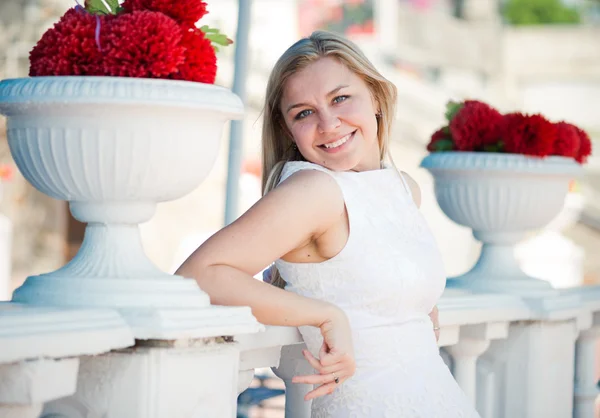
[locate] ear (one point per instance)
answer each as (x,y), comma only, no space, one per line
(376,105)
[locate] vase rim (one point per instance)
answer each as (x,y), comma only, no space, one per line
(17,93)
(488,161)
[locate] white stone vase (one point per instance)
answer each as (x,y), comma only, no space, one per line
(501,197)
(114,148)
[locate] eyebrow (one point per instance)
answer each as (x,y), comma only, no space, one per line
(331,93)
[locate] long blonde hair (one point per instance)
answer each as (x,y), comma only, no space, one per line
(277,145)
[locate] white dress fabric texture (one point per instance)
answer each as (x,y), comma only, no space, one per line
(387,279)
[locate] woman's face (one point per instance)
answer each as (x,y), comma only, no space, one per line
(330,113)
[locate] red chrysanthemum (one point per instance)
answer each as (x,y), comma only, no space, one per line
(185,12)
(585,145)
(528,134)
(475,125)
(200,62)
(69,48)
(141,44)
(567,140)
(437,138)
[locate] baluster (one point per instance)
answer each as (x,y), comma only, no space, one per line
(473,342)
(292,364)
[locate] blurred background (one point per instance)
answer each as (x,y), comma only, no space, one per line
(528,55)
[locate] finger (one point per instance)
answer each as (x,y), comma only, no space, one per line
(327,389)
(332,358)
(324,350)
(337,368)
(312,360)
(314,379)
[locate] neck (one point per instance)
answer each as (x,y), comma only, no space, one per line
(371,163)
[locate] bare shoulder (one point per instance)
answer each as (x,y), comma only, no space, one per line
(313,188)
(414,188)
(300,208)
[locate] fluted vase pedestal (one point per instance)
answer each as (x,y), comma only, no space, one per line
(502,197)
(114,148)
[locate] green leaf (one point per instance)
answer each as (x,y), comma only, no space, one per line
(491,148)
(98,7)
(219,39)
(443,145)
(452,108)
(216,39)
(114,6)
(207,29)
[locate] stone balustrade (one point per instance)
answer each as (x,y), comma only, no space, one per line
(511,357)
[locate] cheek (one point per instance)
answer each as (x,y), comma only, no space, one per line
(302,133)
(362,117)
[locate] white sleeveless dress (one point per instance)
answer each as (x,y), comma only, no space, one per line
(387,279)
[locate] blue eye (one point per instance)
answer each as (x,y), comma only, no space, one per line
(303,114)
(340,99)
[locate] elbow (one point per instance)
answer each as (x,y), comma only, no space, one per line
(193,270)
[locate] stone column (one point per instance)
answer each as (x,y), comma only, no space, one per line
(534,367)
(474,341)
(586,379)
(156,379)
(175,370)
(293,364)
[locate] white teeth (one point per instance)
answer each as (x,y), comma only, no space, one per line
(337,143)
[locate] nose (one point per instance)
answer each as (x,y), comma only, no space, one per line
(328,121)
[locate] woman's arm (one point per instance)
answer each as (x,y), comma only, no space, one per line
(289,217)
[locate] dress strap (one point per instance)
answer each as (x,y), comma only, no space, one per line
(292,167)
(406,186)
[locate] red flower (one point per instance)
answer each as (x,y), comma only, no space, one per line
(185,12)
(528,134)
(475,125)
(69,48)
(200,59)
(440,136)
(567,140)
(585,146)
(141,44)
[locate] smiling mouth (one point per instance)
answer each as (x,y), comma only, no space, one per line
(339,142)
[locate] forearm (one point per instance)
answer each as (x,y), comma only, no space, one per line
(270,305)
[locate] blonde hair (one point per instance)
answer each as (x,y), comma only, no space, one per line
(277,145)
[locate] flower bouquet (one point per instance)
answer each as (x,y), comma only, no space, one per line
(474,126)
(139,38)
(502,175)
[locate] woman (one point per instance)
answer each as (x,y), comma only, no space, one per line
(360,268)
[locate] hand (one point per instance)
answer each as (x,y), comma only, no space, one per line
(435,319)
(336,357)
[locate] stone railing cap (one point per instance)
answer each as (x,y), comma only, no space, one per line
(29,332)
